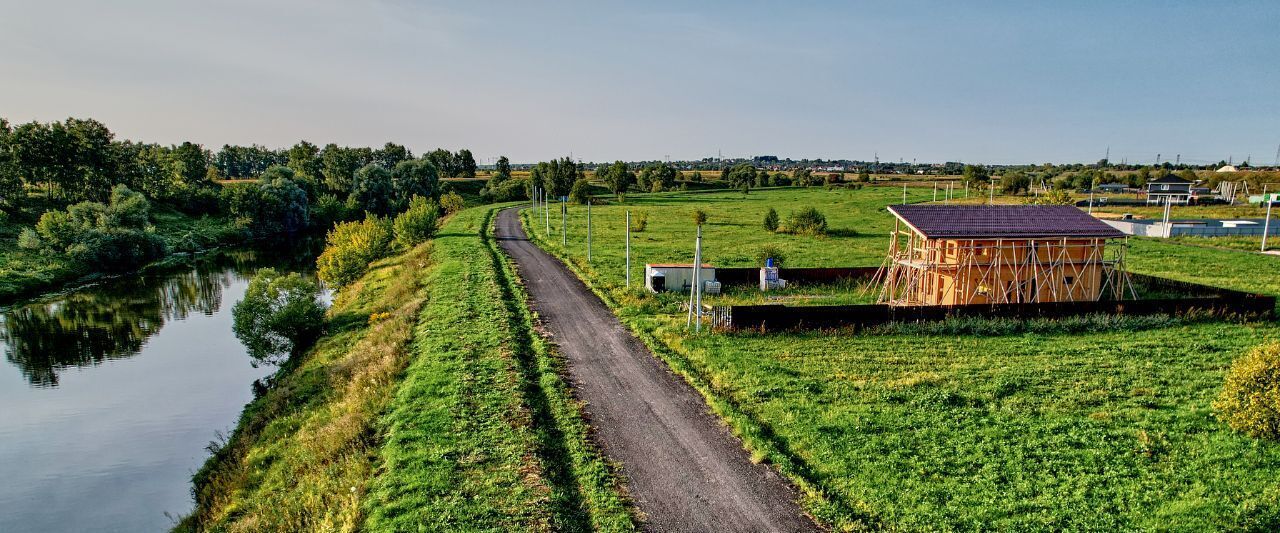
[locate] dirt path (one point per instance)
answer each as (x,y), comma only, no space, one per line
(684,469)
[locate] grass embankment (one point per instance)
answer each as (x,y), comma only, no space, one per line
(430,405)
(25,273)
(1037,430)
(483,434)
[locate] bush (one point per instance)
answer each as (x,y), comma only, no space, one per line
(328,210)
(699,217)
(771,220)
(452,202)
(506,191)
(1250,398)
(350,247)
(580,193)
(109,237)
(280,315)
(807,221)
(639,221)
(417,223)
(770,251)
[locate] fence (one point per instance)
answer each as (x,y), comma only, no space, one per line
(1198,299)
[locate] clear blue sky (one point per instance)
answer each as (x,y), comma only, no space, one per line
(987,81)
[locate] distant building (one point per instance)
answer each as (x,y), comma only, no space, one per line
(1169,189)
(1112,188)
(980,254)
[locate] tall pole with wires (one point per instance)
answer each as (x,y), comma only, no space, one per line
(628,248)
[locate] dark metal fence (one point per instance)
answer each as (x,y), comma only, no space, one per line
(1198,299)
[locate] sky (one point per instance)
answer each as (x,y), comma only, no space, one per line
(992,82)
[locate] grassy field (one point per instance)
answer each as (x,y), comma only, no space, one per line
(1109,429)
(430,404)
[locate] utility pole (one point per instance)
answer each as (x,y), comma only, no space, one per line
(1266,226)
(546,213)
(564,231)
(695,293)
(1092,186)
(991,193)
(588,230)
(628,248)
(935,191)
(904,194)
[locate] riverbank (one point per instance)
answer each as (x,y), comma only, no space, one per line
(430,401)
(26,273)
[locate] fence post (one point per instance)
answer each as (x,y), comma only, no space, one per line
(628,248)
(588,230)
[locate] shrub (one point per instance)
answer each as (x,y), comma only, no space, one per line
(807,221)
(656,187)
(328,210)
(1250,398)
(770,251)
(452,202)
(771,220)
(639,221)
(350,247)
(699,217)
(417,223)
(280,315)
(506,191)
(580,192)
(110,237)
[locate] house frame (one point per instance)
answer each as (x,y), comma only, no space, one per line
(988,269)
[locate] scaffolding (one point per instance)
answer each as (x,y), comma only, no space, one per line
(956,271)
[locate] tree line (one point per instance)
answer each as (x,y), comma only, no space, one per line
(108,186)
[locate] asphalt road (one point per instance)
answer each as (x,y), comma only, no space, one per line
(683,468)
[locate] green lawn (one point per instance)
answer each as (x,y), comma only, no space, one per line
(1032,431)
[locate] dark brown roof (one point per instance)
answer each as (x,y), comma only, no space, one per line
(1170,179)
(1002,221)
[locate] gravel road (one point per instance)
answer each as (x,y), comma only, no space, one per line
(683,468)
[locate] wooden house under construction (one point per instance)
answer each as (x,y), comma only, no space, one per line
(992,254)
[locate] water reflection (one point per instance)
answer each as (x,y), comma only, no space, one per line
(114,320)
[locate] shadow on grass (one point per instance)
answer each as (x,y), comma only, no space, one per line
(569,511)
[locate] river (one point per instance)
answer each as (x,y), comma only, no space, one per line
(110,394)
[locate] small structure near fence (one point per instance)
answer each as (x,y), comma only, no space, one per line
(1174,298)
(678,277)
(988,254)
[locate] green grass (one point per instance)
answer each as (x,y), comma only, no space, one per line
(1033,429)
(483,434)
(429,405)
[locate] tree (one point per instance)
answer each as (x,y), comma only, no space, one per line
(699,217)
(273,205)
(339,167)
(190,164)
(741,174)
(466,164)
(618,177)
(975,175)
(502,171)
(556,176)
(391,155)
(1014,182)
(807,221)
(374,191)
(304,159)
(11,192)
(444,161)
(279,316)
(415,177)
